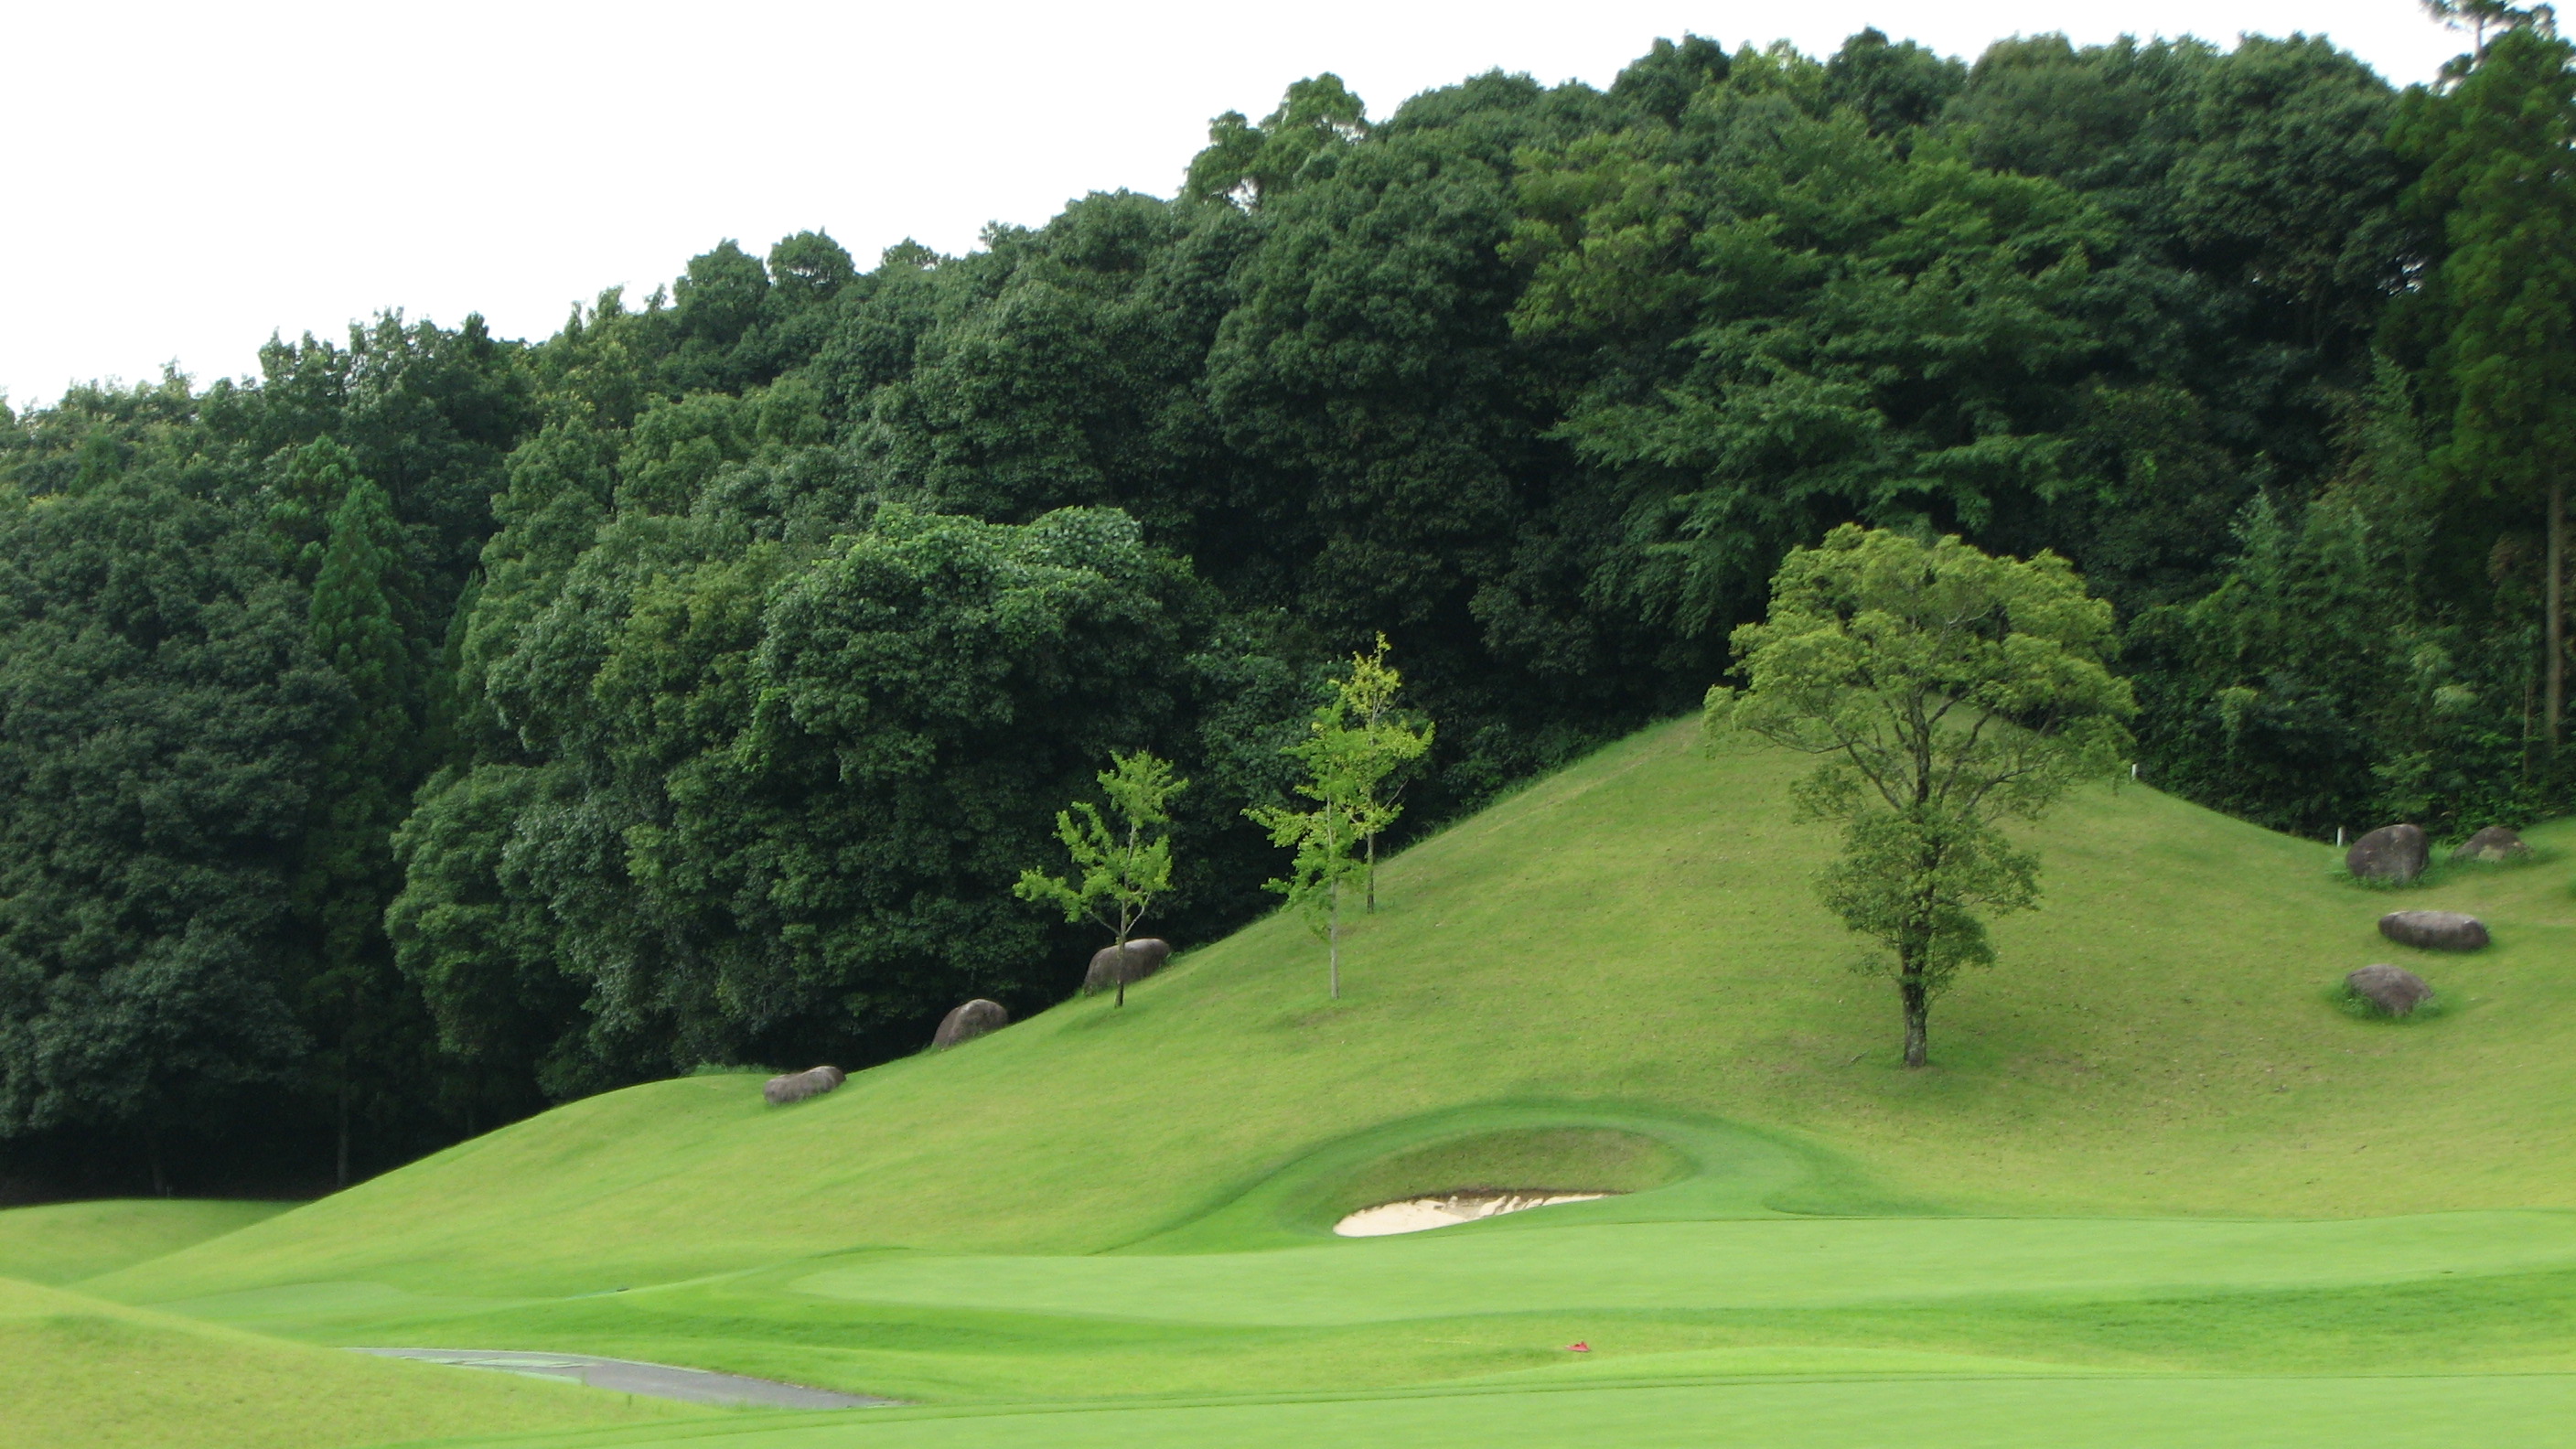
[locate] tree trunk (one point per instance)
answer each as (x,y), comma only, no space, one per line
(1372,872)
(344,1133)
(2530,726)
(1122,970)
(1333,943)
(152,1157)
(2556,702)
(1918,1014)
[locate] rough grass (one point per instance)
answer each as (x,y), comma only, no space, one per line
(78,1373)
(66,1242)
(2139,1152)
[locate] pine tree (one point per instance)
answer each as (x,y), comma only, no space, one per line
(2500,172)
(354,999)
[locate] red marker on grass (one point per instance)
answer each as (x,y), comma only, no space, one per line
(1578,1347)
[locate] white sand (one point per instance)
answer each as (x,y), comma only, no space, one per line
(1421,1214)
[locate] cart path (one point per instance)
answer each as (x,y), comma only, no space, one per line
(653,1380)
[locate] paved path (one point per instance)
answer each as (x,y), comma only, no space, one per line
(654,1380)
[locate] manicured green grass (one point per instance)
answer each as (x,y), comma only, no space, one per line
(66,1242)
(1914,1411)
(78,1373)
(2151,1152)
(1527,1265)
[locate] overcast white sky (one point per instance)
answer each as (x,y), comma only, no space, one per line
(185,179)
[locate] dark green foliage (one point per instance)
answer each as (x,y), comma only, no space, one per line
(1076,380)
(1895,88)
(476,939)
(789,787)
(2501,310)
(692,685)
(1662,82)
(362,1020)
(2341,674)
(1317,121)
(424,413)
(2382,650)
(162,708)
(1848,333)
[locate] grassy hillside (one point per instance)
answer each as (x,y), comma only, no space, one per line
(2140,1152)
(66,1242)
(77,1373)
(1638,931)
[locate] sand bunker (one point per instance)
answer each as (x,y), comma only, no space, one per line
(1421,1214)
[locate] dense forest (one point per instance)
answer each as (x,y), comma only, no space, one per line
(438,726)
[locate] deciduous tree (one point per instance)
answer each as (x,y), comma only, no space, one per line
(1118,870)
(1389,741)
(1947,691)
(1325,838)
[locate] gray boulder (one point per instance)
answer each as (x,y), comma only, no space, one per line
(2493,845)
(2434,930)
(2393,989)
(797,1086)
(1145,956)
(2391,853)
(970,1021)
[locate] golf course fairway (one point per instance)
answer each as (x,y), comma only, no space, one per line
(2156,1189)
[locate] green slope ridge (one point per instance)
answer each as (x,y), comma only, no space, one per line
(2140,1150)
(66,1242)
(78,1373)
(1636,930)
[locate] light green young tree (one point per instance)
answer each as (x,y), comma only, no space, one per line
(1947,691)
(1339,762)
(1118,868)
(1389,742)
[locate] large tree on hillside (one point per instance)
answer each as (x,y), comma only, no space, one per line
(1947,691)
(2495,143)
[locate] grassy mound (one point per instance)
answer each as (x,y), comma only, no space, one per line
(66,1242)
(77,1373)
(2140,1151)
(1635,931)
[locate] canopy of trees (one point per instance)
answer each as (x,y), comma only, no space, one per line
(437,725)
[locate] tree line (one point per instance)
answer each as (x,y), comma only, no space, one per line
(437,725)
